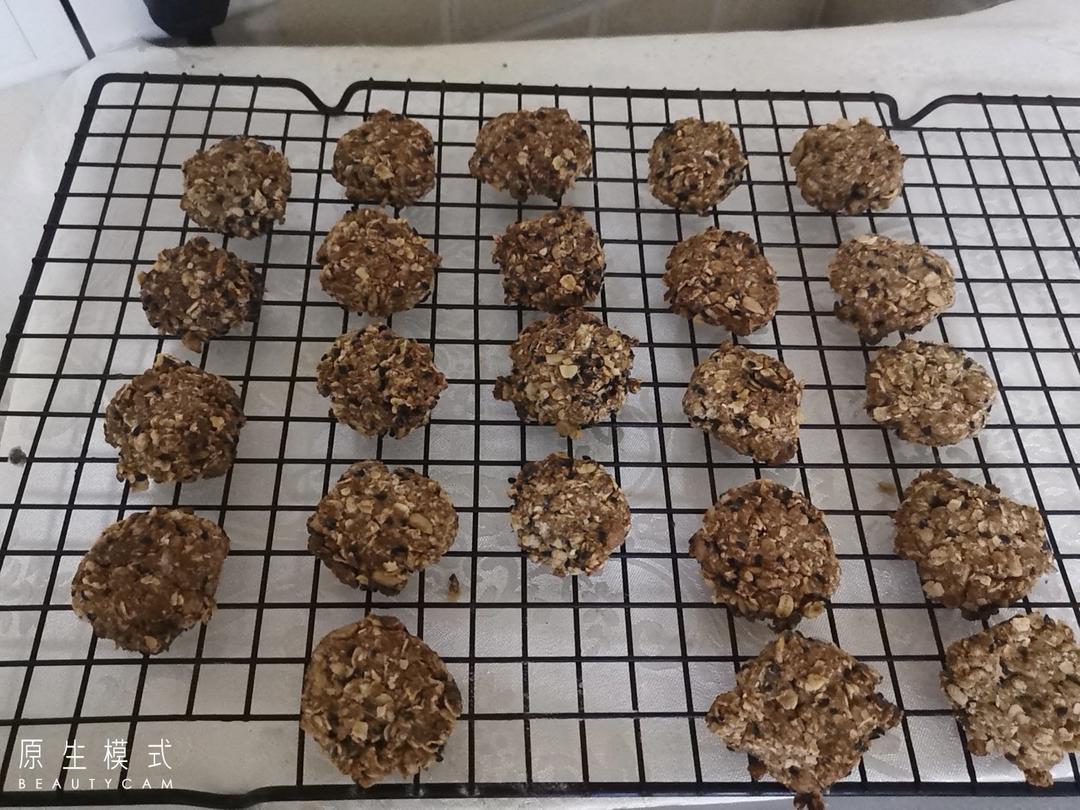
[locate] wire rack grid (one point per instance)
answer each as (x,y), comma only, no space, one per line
(576,686)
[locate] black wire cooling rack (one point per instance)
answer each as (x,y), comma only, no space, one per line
(572,687)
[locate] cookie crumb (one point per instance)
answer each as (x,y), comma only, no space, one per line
(16,455)
(453,588)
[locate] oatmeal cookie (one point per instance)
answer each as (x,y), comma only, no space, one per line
(694,164)
(379,525)
(552,262)
(388,159)
(888,286)
(747,400)
(374,264)
(238,187)
(378,382)
(378,700)
(1015,689)
(149,577)
(975,549)
(173,422)
(721,277)
(930,393)
(568,513)
(805,711)
(767,553)
(199,291)
(570,370)
(846,168)
(532,152)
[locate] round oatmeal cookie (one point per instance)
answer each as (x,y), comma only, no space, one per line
(552,262)
(570,370)
(721,277)
(694,164)
(846,168)
(532,152)
(388,159)
(173,422)
(238,187)
(568,513)
(378,700)
(767,553)
(930,393)
(199,291)
(1015,689)
(379,525)
(747,400)
(975,549)
(889,286)
(375,265)
(149,577)
(378,382)
(805,711)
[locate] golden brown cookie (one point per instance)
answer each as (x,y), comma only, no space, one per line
(848,168)
(388,159)
(1016,690)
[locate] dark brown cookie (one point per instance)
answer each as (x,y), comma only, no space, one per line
(721,277)
(1015,689)
(568,514)
(173,422)
(198,291)
(767,553)
(552,262)
(532,152)
(976,549)
(848,168)
(694,164)
(805,711)
(378,382)
(888,286)
(149,577)
(377,526)
(569,370)
(930,393)
(378,700)
(388,159)
(374,264)
(238,186)
(748,400)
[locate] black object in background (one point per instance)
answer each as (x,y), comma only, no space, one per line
(188,19)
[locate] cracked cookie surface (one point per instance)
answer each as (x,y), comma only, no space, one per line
(975,549)
(552,262)
(377,526)
(374,264)
(150,577)
(694,164)
(930,393)
(848,168)
(889,286)
(569,370)
(173,422)
(379,382)
(238,186)
(747,400)
(568,514)
(378,700)
(388,159)
(198,291)
(1016,690)
(722,278)
(805,711)
(540,151)
(767,553)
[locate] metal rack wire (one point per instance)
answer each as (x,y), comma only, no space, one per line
(572,687)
